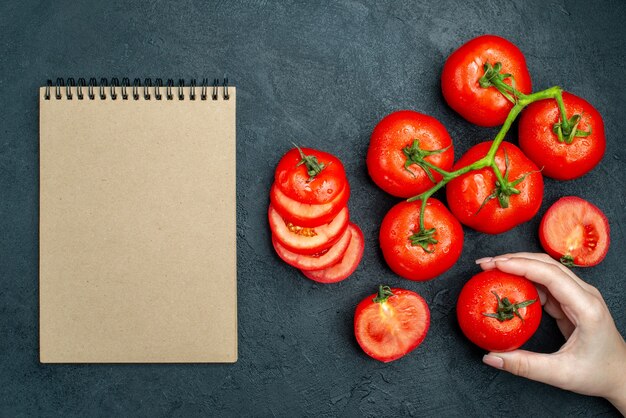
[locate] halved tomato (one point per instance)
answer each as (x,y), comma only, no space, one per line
(392,323)
(304,214)
(319,261)
(575,232)
(348,263)
(307,240)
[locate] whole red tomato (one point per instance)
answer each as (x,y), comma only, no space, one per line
(562,160)
(498,311)
(401,147)
(464,71)
(401,246)
(310,176)
(472,196)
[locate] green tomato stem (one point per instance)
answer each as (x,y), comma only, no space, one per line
(488,160)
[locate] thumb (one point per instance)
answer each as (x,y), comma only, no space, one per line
(535,366)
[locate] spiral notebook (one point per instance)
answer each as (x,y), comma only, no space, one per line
(137,222)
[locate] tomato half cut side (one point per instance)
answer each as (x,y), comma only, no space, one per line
(317,261)
(303,240)
(348,263)
(304,214)
(392,323)
(575,232)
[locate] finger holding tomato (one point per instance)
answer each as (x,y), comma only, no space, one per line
(415,254)
(479,79)
(578,149)
(477,198)
(404,147)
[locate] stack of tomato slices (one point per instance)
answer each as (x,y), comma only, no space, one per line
(309,217)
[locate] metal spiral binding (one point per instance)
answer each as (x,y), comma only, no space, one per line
(108,89)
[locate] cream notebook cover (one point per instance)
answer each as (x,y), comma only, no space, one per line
(137,223)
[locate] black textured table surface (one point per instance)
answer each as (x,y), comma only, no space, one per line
(320,76)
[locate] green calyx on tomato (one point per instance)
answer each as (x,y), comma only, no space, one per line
(383,294)
(567,129)
(568,261)
(507,310)
(494,78)
(504,188)
(424,238)
(313,167)
(415,155)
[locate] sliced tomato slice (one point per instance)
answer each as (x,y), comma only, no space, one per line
(303,240)
(348,263)
(319,261)
(392,323)
(575,232)
(304,214)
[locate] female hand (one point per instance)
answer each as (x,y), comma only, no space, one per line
(593,359)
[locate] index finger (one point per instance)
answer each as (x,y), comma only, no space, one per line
(562,287)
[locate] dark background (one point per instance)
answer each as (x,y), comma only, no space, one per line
(320,76)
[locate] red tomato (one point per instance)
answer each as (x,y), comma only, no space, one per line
(409,260)
(575,232)
(467,193)
(305,214)
(320,261)
(393,138)
(296,180)
(392,323)
(310,241)
(460,80)
(491,322)
(346,265)
(561,160)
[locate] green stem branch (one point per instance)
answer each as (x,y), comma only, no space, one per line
(488,160)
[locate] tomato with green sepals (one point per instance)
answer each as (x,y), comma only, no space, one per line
(310,176)
(346,265)
(486,203)
(303,240)
(566,148)
(305,214)
(498,311)
(482,78)
(576,232)
(392,323)
(407,151)
(420,254)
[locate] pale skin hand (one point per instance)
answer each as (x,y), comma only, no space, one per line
(593,359)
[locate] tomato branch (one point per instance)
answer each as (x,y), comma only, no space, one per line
(489,159)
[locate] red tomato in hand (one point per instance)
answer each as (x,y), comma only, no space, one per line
(498,311)
(392,323)
(392,148)
(410,260)
(467,193)
(562,160)
(575,232)
(462,72)
(315,178)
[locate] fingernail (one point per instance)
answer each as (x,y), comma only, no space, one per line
(493,361)
(484,260)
